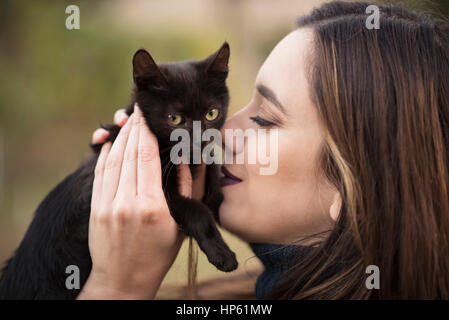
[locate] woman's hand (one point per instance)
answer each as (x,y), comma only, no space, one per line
(100,135)
(120,118)
(133,240)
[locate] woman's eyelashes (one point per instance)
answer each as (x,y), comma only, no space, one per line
(263,122)
(265,117)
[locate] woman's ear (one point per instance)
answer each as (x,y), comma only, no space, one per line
(334,210)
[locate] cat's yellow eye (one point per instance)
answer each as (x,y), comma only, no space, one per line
(212,114)
(175,119)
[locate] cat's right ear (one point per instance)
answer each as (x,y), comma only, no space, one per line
(146,73)
(218,61)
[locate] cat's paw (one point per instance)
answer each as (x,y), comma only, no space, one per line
(221,257)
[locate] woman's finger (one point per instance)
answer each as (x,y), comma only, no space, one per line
(113,165)
(120,117)
(128,176)
(148,159)
(100,135)
(99,171)
(185,180)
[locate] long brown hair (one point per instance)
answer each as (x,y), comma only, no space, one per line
(383,97)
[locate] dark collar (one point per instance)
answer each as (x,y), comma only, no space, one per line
(276,259)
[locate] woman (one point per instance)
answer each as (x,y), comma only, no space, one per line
(363,157)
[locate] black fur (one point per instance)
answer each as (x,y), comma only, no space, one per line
(57,236)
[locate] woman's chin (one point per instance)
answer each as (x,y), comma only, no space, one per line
(239,228)
(231,220)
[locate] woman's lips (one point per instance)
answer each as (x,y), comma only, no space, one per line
(228,179)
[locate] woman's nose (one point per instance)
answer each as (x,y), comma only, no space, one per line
(232,132)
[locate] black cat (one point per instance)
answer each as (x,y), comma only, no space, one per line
(170,96)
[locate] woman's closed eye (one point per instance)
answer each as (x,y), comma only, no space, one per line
(265,116)
(262,122)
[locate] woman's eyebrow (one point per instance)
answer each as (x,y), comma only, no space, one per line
(268,94)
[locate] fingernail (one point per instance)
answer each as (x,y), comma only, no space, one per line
(99,135)
(122,118)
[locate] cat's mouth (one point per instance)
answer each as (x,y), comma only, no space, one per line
(228,178)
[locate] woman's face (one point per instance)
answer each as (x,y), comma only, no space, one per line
(293,202)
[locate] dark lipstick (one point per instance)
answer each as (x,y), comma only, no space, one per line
(228,179)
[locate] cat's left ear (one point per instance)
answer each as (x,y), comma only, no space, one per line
(145,71)
(217,63)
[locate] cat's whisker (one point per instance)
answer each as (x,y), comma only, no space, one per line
(165,167)
(165,161)
(164,150)
(165,173)
(168,174)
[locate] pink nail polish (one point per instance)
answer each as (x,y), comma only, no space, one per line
(122,119)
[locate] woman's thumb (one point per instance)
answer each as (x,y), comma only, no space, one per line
(184,180)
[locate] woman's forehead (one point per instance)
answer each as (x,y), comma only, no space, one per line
(284,70)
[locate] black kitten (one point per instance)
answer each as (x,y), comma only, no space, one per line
(170,96)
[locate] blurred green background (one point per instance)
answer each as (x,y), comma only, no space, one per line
(56,85)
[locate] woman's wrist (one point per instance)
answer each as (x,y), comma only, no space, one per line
(100,287)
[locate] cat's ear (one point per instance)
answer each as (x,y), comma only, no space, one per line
(145,71)
(217,63)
